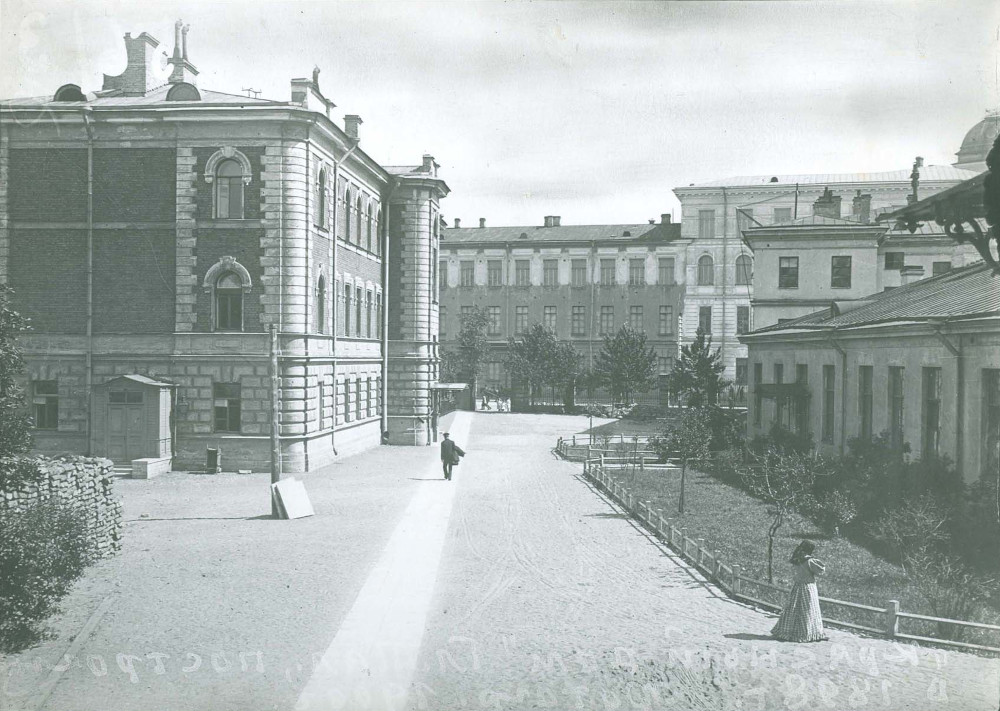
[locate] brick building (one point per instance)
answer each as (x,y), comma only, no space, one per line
(160,230)
(580,281)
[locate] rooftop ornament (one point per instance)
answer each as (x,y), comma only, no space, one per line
(958,210)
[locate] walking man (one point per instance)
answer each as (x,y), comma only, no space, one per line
(451,455)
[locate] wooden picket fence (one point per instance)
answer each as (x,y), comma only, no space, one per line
(882,622)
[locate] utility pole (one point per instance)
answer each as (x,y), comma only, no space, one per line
(275,425)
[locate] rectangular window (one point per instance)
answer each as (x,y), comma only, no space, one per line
(229,309)
(931,415)
(741,372)
(829,377)
(758,397)
(443,275)
(636,272)
(665,364)
(579,272)
(226,404)
(666,320)
(780,409)
(549,318)
(991,422)
(706,224)
(494,272)
(522,272)
(378,395)
(579,321)
(840,272)
(893,261)
(358,399)
(705,319)
(635,318)
(801,403)
(370,313)
(493,371)
(607,272)
(520,320)
(493,313)
(865,373)
(45,403)
(467,272)
(607,320)
(666,275)
(550,272)
(895,406)
(941,268)
(742,319)
(466,312)
(788,272)
(782,214)
(442,321)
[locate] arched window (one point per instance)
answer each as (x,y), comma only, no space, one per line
(229,190)
(744,270)
(706,271)
(347,309)
(338,309)
(370,307)
(359,216)
(378,315)
(358,309)
(378,221)
(321,198)
(321,304)
(348,222)
(229,302)
(371,227)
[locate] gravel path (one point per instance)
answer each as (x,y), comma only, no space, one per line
(548,597)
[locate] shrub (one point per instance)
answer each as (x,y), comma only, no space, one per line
(43,549)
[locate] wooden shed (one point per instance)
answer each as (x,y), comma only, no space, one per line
(132,419)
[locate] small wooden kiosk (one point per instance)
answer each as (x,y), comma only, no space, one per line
(132,423)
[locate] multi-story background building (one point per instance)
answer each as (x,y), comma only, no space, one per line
(156,232)
(581,281)
(714,215)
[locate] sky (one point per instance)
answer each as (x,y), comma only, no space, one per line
(592,111)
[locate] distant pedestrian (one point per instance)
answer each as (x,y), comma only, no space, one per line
(451,454)
(801,620)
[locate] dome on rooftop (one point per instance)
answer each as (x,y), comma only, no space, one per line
(978,141)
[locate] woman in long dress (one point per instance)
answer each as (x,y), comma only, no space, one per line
(801,620)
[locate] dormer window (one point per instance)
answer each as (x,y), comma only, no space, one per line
(69,92)
(183,91)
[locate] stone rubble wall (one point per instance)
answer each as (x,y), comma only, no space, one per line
(83,481)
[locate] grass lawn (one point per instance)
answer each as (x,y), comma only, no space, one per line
(735,523)
(627,426)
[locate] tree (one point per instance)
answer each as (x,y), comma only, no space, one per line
(539,360)
(625,364)
(785,481)
(473,346)
(15,424)
(689,439)
(697,374)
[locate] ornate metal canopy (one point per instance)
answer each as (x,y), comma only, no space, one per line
(959,210)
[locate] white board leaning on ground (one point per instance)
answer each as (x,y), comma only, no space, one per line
(293,501)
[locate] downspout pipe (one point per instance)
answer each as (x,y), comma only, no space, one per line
(832,338)
(335,215)
(384,227)
(89,364)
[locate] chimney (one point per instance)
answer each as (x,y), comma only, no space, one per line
(666,218)
(458,223)
(306,93)
(429,165)
(548,221)
(140,74)
(183,71)
(482,222)
(351,123)
(910,273)
(552,220)
(828,204)
(861,208)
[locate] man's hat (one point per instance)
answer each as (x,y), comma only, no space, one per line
(445,434)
